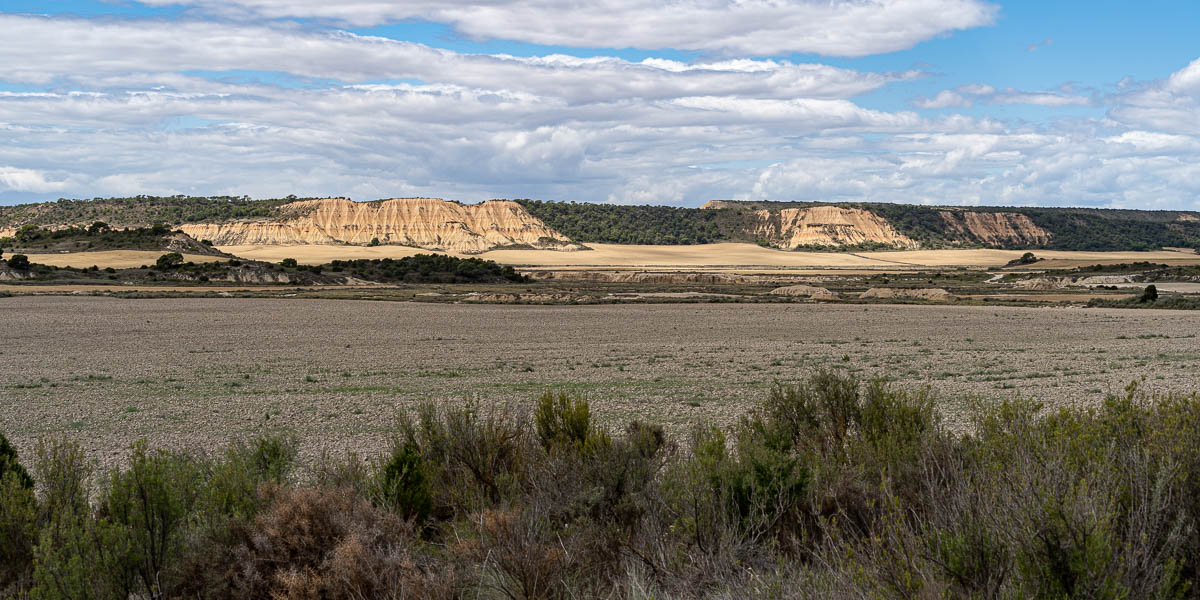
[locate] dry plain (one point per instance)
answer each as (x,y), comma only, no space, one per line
(722,256)
(197,372)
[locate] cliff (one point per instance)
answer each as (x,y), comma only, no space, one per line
(995,228)
(421,222)
(827,226)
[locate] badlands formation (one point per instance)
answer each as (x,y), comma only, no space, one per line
(421,222)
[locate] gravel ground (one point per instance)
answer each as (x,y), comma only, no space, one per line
(195,373)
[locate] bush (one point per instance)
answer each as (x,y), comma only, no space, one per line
(149,506)
(312,543)
(19,262)
(169,261)
(475,459)
(832,487)
(565,423)
(404,483)
(18,523)
(288,263)
(1150,294)
(10,464)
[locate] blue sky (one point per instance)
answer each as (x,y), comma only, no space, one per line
(922,101)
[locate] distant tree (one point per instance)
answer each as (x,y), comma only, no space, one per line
(19,262)
(98,227)
(374,242)
(288,263)
(27,233)
(1150,294)
(169,260)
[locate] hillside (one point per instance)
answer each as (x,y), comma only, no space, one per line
(99,236)
(869,226)
(418,222)
(530,224)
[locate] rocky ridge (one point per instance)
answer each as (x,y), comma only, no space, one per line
(995,228)
(420,222)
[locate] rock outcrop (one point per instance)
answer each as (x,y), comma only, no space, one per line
(935,294)
(642,277)
(994,228)
(420,222)
(1040,283)
(825,226)
(805,291)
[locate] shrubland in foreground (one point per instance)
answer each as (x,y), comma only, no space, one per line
(829,488)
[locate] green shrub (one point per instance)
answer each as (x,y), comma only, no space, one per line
(566,423)
(19,262)
(150,505)
(169,261)
(475,459)
(10,464)
(1150,294)
(18,523)
(405,484)
(233,481)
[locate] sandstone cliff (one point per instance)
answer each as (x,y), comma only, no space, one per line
(825,226)
(994,228)
(421,222)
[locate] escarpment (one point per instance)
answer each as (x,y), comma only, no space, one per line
(420,222)
(827,226)
(995,228)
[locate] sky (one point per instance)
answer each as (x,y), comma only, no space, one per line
(674,102)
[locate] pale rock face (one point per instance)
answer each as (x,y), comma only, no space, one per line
(996,228)
(936,294)
(420,222)
(828,226)
(805,291)
(640,277)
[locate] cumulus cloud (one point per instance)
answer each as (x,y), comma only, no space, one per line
(1171,105)
(28,180)
(944,99)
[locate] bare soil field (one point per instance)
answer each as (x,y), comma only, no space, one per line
(117,259)
(195,373)
(724,256)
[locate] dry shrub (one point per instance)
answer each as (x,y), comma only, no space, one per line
(525,559)
(331,544)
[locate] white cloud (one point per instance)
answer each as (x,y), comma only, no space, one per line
(118,108)
(28,180)
(124,53)
(1056,99)
(965,96)
(944,99)
(732,27)
(1171,105)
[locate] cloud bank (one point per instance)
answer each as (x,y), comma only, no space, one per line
(241,105)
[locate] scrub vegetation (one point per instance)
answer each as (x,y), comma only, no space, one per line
(832,487)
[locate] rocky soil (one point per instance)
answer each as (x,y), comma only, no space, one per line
(197,372)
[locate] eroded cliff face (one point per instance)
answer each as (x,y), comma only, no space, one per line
(826,226)
(995,228)
(421,222)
